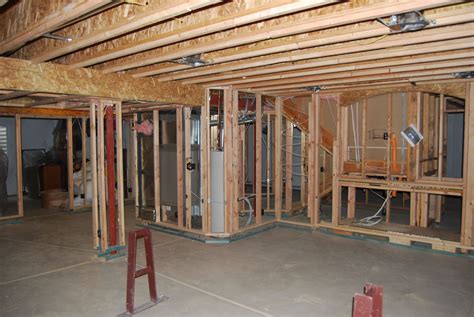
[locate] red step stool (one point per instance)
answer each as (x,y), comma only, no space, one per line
(370,304)
(132,273)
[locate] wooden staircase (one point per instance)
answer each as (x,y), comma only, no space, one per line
(300,119)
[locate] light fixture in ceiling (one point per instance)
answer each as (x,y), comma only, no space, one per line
(314,89)
(407,22)
(464,75)
(191,60)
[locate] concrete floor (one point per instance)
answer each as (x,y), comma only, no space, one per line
(48,268)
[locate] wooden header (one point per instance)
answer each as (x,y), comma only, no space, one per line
(18,74)
(42,112)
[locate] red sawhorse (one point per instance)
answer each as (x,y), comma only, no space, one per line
(132,273)
(370,304)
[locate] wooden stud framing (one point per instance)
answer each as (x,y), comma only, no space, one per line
(312,185)
(180,165)
(95,202)
(388,206)
(467,222)
(84,158)
(258,159)
(188,173)
(19,165)
(120,175)
(303,162)
(156,165)
(269,160)
(351,202)
(70,164)
(135,165)
(336,168)
(441,112)
(101,177)
(316,104)
(364,137)
(236,160)
(278,166)
(228,165)
(205,164)
(289,166)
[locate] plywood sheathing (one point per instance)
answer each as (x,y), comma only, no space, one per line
(53,78)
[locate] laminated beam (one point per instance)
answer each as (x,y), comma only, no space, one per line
(18,74)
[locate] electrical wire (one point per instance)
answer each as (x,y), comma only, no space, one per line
(377,217)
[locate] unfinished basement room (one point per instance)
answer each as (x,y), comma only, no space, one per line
(237,158)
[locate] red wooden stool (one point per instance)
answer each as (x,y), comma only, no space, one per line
(132,273)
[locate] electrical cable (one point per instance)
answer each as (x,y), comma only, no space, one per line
(377,217)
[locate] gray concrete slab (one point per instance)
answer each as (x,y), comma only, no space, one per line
(282,272)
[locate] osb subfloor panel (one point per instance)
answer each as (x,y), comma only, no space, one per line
(48,268)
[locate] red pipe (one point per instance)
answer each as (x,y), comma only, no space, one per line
(109,116)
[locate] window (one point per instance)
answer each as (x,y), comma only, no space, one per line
(3,139)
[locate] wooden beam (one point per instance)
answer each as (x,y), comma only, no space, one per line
(42,112)
(228,175)
(411,74)
(311,24)
(101,177)
(180,164)
(70,163)
(205,164)
(14,95)
(351,202)
(289,165)
(278,163)
(136,184)
(269,160)
(236,161)
(312,169)
(467,221)
(188,173)
(258,158)
(139,21)
(95,202)
(84,158)
(19,165)
(315,57)
(316,104)
(120,176)
(336,168)
(303,162)
(50,23)
(364,138)
(275,9)
(156,165)
(16,74)
(441,116)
